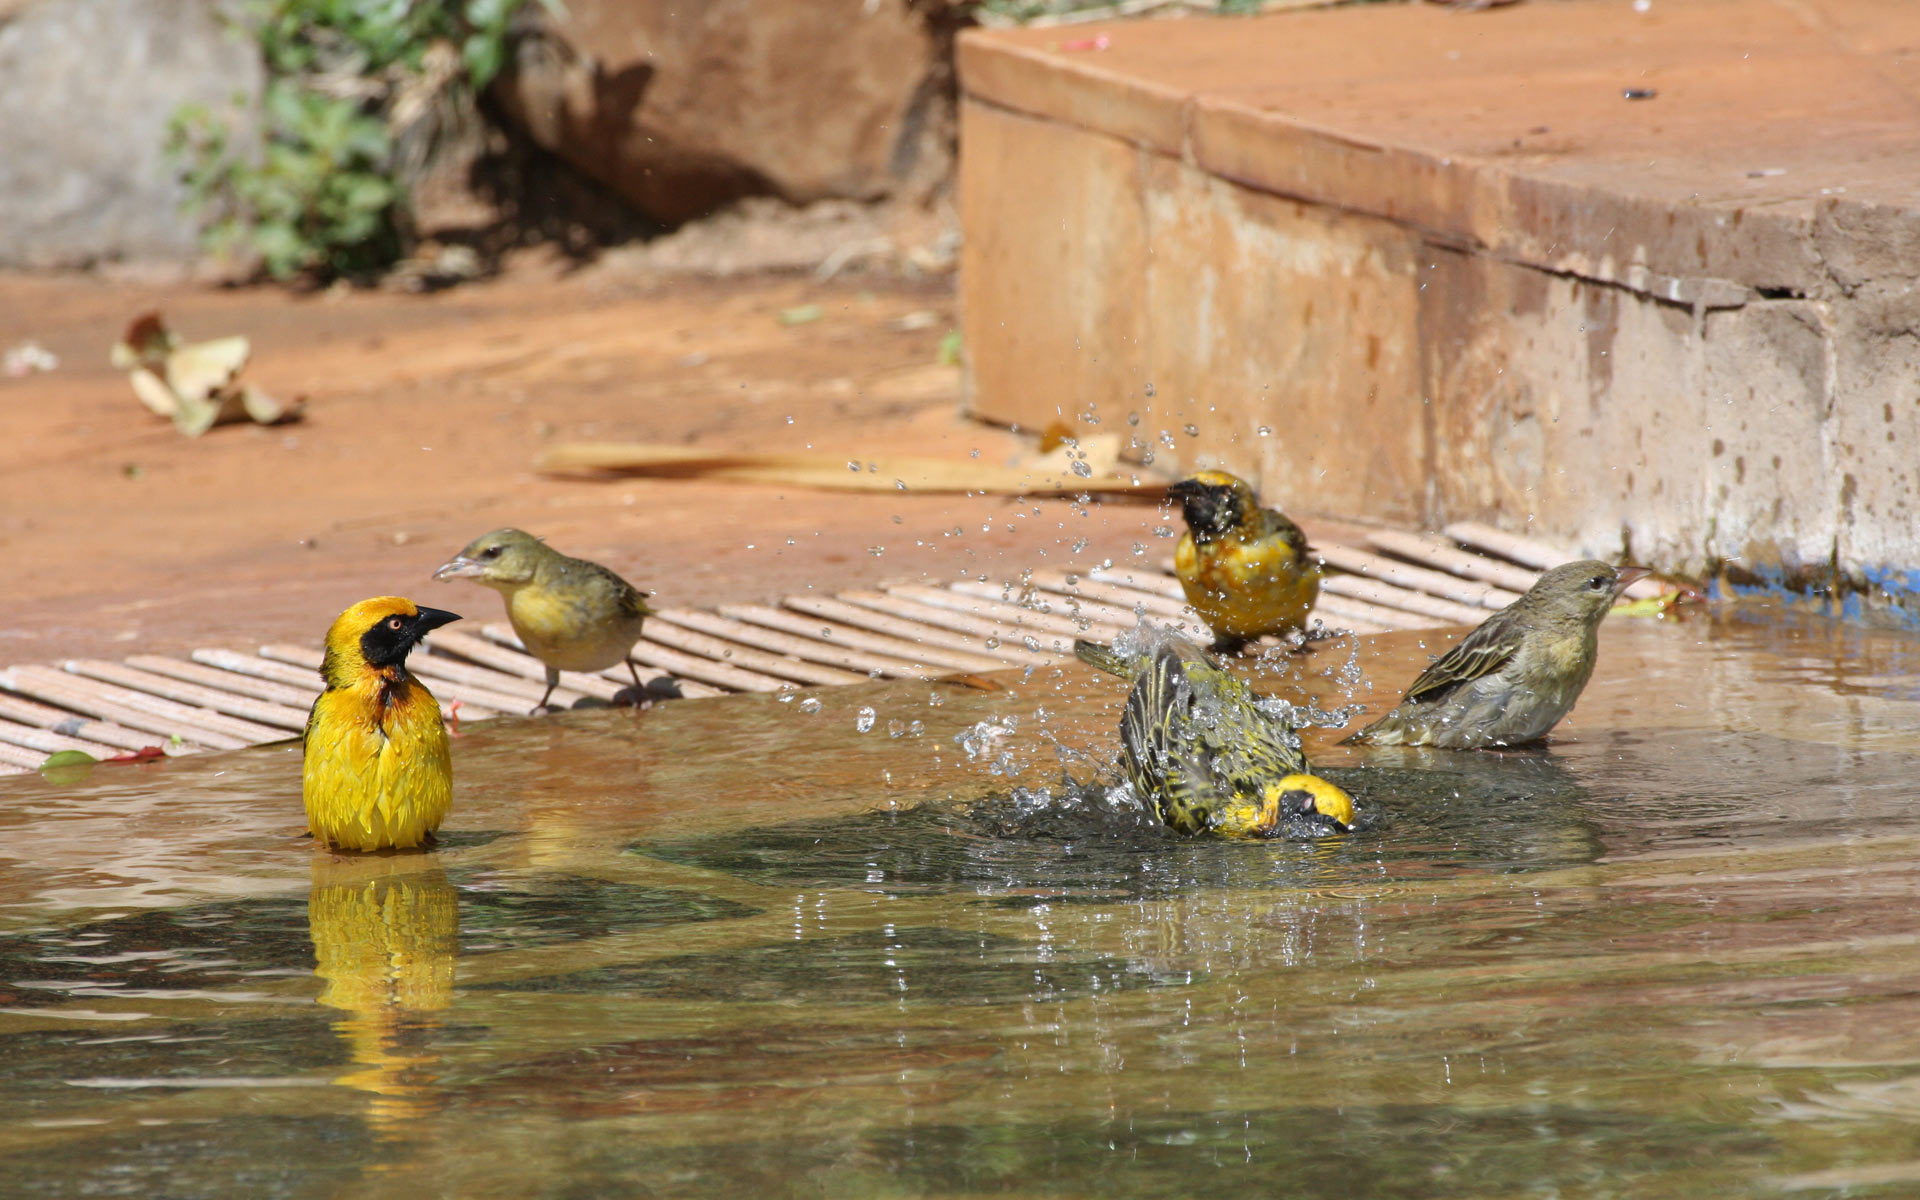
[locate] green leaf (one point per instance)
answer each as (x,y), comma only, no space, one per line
(67,767)
(484,54)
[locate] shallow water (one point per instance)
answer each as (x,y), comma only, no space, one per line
(724,946)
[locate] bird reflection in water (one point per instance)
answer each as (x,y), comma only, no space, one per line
(386,930)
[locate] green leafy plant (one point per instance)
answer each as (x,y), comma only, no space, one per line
(318,192)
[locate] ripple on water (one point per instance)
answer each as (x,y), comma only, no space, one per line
(871,967)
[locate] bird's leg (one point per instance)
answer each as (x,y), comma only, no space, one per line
(553,681)
(639,690)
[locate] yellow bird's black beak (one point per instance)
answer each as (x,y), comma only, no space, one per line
(431,619)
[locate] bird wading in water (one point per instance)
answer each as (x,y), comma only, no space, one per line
(1246,570)
(1512,679)
(377,773)
(1204,757)
(571,614)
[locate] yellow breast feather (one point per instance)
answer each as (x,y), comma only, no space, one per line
(1244,589)
(377,775)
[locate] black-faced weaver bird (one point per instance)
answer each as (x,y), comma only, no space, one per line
(1246,570)
(377,773)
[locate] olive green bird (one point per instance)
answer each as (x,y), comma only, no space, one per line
(571,614)
(1204,757)
(1512,679)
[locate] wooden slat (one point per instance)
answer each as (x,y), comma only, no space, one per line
(19,756)
(838,636)
(1532,552)
(438,664)
(1372,591)
(1072,605)
(679,630)
(60,720)
(473,707)
(231,681)
(705,670)
(1336,609)
(197,716)
(131,709)
(506,647)
(858,665)
(879,616)
(1085,584)
(1329,619)
(279,716)
(48,742)
(1443,555)
(1434,583)
(286,674)
(1143,579)
(1528,552)
(1014,620)
(960,613)
(512,659)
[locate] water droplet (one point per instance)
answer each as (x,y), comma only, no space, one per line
(1081,469)
(810,705)
(864,719)
(1191,429)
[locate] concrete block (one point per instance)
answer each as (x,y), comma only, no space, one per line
(1265,314)
(1876,437)
(1055,308)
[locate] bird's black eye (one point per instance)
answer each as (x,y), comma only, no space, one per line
(490,552)
(395,623)
(1598,583)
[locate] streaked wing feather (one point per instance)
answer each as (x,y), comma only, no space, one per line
(1488,648)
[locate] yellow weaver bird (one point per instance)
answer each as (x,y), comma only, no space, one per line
(1206,759)
(571,614)
(1246,570)
(377,772)
(1512,679)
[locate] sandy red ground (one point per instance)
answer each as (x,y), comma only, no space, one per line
(424,415)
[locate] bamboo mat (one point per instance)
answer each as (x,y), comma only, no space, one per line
(1377,580)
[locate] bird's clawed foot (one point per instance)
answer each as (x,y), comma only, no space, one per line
(636,696)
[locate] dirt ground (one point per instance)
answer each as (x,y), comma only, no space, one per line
(424,414)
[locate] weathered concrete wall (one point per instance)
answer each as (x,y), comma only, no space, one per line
(86,90)
(1560,342)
